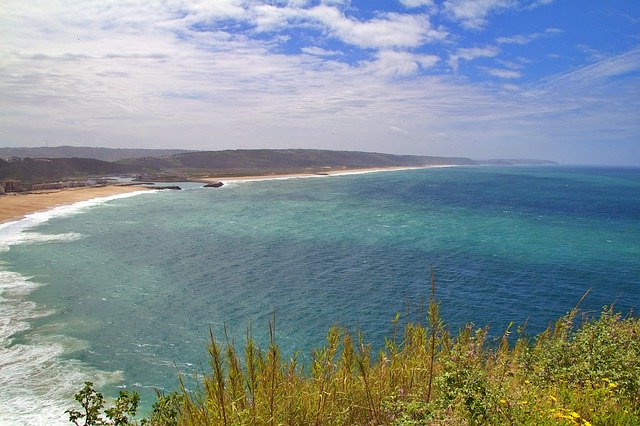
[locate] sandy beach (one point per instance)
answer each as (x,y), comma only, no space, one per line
(16,206)
(332,172)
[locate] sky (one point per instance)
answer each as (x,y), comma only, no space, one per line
(547,79)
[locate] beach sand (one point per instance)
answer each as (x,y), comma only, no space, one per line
(16,206)
(331,172)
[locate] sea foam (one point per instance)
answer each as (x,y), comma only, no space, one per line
(36,383)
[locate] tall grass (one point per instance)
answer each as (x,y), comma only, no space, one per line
(580,370)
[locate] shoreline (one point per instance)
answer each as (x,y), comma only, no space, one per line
(323,174)
(15,207)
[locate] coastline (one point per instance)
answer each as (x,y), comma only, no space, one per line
(59,376)
(15,207)
(327,173)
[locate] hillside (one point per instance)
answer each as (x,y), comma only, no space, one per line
(104,154)
(194,164)
(30,170)
(264,161)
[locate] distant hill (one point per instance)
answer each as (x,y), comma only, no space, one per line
(194,164)
(29,170)
(265,161)
(515,162)
(104,154)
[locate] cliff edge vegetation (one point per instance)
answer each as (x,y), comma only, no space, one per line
(580,371)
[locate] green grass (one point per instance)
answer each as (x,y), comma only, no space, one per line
(579,371)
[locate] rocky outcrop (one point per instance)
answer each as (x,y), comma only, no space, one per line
(214,185)
(174,187)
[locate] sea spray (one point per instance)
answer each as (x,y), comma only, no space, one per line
(37,376)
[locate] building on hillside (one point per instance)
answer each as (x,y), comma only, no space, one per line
(61,185)
(12,186)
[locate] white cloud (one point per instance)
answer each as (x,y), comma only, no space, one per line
(517,39)
(387,30)
(203,9)
(399,130)
(400,64)
(296,3)
(165,74)
(504,73)
(336,2)
(523,39)
(416,3)
(269,18)
(473,14)
(600,72)
(318,51)
(390,30)
(538,3)
(471,53)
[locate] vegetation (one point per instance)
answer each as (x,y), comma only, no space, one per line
(265,161)
(43,164)
(580,371)
(66,151)
(185,165)
(29,170)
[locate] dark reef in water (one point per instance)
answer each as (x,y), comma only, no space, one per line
(174,187)
(214,185)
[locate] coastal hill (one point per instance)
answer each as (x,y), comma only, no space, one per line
(38,165)
(99,153)
(36,170)
(266,161)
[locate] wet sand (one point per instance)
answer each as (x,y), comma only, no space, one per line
(332,172)
(16,206)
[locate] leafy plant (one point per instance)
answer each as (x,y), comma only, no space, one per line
(581,374)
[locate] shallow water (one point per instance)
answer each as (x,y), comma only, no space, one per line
(125,292)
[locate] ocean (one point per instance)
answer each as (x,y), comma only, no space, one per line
(124,290)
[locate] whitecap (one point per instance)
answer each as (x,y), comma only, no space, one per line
(37,383)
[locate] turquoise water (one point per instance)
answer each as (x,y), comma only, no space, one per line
(124,292)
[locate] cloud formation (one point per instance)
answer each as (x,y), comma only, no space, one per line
(471,53)
(302,73)
(523,39)
(474,13)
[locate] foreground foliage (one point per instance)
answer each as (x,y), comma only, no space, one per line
(580,371)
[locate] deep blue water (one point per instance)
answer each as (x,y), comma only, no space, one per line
(134,284)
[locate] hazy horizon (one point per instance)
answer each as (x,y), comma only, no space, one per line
(348,150)
(540,79)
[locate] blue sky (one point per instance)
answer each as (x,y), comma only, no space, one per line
(554,79)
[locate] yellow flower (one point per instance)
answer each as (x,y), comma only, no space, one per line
(586,423)
(527,381)
(613,385)
(503,401)
(575,415)
(553,398)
